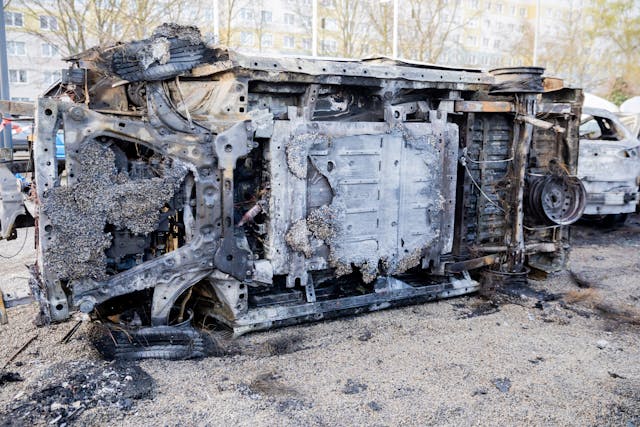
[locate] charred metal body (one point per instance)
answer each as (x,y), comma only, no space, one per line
(609,165)
(251,192)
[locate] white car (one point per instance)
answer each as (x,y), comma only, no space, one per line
(608,165)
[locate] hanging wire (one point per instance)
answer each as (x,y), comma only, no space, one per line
(540,228)
(480,189)
(479,162)
(24,241)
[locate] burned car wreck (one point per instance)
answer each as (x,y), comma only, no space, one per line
(608,166)
(203,187)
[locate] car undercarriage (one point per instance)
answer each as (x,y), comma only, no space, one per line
(202,188)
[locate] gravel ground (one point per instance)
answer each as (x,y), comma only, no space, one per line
(464,361)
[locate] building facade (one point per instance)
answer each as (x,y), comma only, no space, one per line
(475,33)
(34,61)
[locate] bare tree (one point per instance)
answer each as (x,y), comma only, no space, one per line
(75,25)
(350,21)
(64,23)
(260,22)
(569,50)
(520,50)
(229,12)
(430,26)
(616,27)
(380,18)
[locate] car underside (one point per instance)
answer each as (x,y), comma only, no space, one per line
(202,188)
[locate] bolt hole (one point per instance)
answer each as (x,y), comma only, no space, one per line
(330,166)
(47,228)
(59,307)
(228,148)
(229,257)
(48,112)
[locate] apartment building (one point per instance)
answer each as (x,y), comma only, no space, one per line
(476,33)
(34,62)
(494,31)
(272,27)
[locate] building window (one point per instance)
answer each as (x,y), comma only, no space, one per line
(18,76)
(523,11)
(266,40)
(289,19)
(329,46)
(327,3)
(21,99)
(246,14)
(13,19)
(329,24)
(499,7)
(306,44)
(488,5)
(49,50)
(471,40)
(51,77)
(266,15)
(16,48)
(485,42)
(496,44)
(246,38)
(289,42)
(48,23)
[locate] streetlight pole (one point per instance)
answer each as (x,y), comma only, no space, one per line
(394,48)
(395,29)
(314,28)
(4,87)
(536,34)
(216,21)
